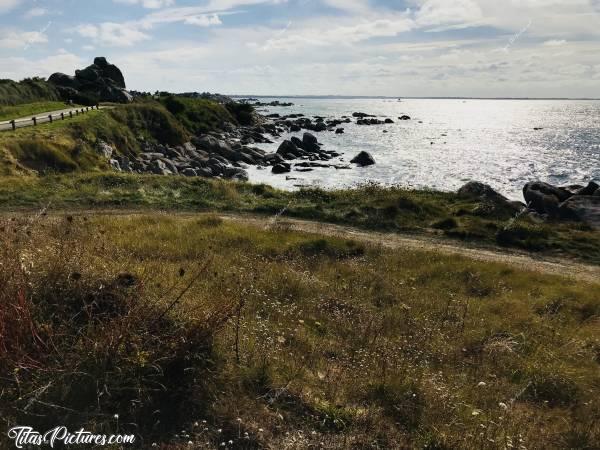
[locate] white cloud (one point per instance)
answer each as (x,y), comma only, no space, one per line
(16,39)
(203,20)
(353,6)
(113,34)
(17,68)
(35,12)
(449,13)
(150,4)
(555,43)
(7,5)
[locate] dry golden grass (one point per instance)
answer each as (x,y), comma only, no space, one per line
(307,342)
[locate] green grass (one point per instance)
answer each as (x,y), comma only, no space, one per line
(30,109)
(315,346)
(27,91)
(47,147)
(198,115)
(369,207)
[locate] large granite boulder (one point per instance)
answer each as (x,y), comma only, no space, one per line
(584,208)
(484,192)
(544,198)
(110,71)
(100,81)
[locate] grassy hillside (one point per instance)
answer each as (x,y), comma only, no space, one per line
(27,91)
(197,115)
(369,207)
(66,146)
(196,330)
(30,109)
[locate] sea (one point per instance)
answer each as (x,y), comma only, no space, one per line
(447,142)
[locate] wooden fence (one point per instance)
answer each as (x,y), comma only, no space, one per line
(36,120)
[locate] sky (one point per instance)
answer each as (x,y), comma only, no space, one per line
(462,48)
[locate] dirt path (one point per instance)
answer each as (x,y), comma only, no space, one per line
(526,261)
(537,263)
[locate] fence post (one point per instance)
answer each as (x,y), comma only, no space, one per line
(62,115)
(71,114)
(50,117)
(14,125)
(76,112)
(34,121)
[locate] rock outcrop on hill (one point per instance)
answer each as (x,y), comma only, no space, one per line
(99,82)
(580,203)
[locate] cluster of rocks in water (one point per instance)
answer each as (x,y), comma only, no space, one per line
(225,154)
(99,82)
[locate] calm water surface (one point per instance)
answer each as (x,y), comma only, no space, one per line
(458,140)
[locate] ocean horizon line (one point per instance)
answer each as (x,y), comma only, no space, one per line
(384,97)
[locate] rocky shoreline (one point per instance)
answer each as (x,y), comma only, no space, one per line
(228,153)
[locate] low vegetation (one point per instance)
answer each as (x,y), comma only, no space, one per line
(30,109)
(29,90)
(224,335)
(369,207)
(67,146)
(198,115)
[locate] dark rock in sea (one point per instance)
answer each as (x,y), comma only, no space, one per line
(361,115)
(281,168)
(369,122)
(310,143)
(405,117)
(363,159)
(287,148)
(273,159)
(339,131)
(297,142)
(389,121)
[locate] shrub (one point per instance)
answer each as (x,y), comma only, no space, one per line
(445,224)
(330,248)
(551,388)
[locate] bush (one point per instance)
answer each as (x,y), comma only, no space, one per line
(242,112)
(553,389)
(445,224)
(330,248)
(524,235)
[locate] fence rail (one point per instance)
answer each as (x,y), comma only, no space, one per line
(11,125)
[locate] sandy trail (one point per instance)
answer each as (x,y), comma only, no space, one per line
(522,260)
(526,261)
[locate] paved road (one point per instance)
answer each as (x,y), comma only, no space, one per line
(40,117)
